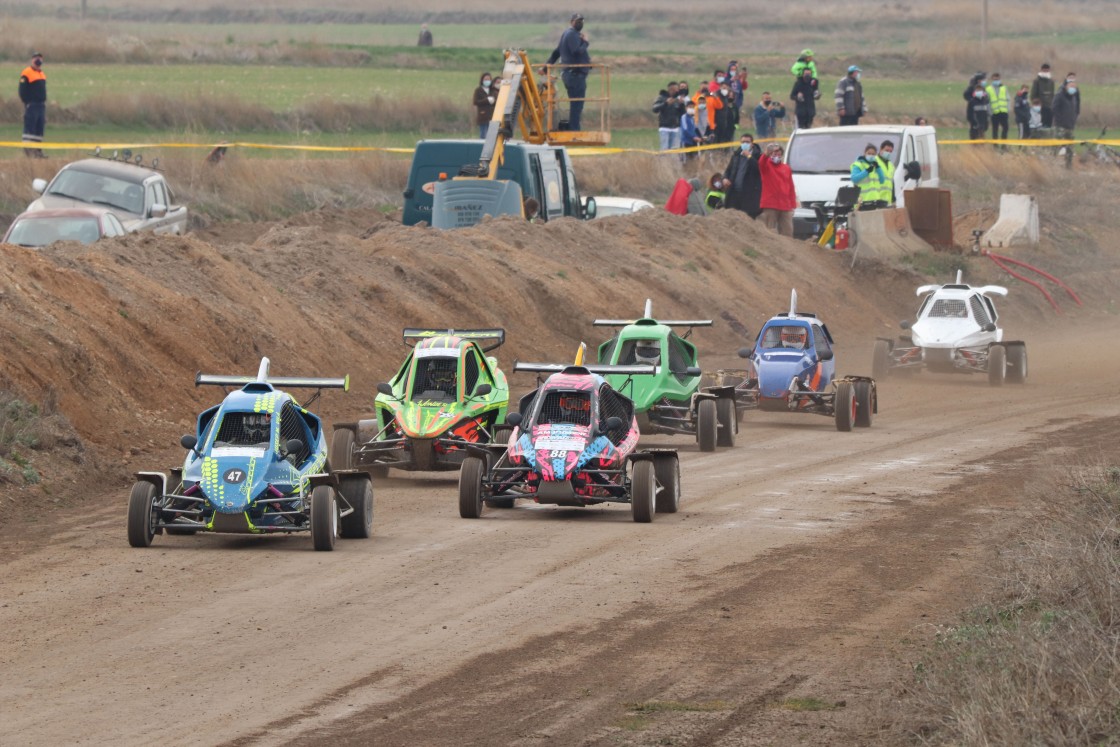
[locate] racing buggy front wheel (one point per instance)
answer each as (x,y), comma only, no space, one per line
(470,488)
(845,404)
(1017,364)
(881,360)
(342,449)
(324,517)
(707,425)
(142,515)
(865,403)
(728,423)
(358,493)
(668,472)
(997,365)
(643,491)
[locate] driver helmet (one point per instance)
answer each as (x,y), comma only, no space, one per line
(442,374)
(647,352)
(795,337)
(258,426)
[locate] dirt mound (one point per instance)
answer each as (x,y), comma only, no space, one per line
(116,332)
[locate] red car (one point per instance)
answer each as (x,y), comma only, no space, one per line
(42,227)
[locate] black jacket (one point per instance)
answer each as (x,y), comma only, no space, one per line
(668,110)
(1067,107)
(806,105)
(746,181)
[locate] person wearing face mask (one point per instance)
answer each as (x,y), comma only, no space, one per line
(736,83)
(742,180)
(1043,89)
(766,115)
(719,77)
(1022,107)
(716,197)
(1067,108)
(33,94)
(779,196)
(690,136)
(867,174)
(725,115)
(850,103)
(999,98)
(886,160)
(572,50)
(484,97)
(977,106)
(806,90)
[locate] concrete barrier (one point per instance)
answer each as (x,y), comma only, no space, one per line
(1017,224)
(885,233)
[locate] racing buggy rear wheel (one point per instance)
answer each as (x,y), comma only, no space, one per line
(643,491)
(997,365)
(667,470)
(1017,364)
(865,403)
(845,404)
(358,492)
(470,488)
(142,515)
(881,360)
(342,449)
(728,423)
(707,425)
(324,517)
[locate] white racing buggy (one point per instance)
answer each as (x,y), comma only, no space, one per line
(956,331)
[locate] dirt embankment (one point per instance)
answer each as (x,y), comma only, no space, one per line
(115,333)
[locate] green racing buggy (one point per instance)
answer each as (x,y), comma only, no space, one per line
(447,394)
(670,400)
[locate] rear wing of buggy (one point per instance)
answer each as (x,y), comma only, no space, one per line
(262,377)
(647,317)
(495,337)
(568,368)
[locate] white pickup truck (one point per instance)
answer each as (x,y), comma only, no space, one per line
(821,161)
(137,195)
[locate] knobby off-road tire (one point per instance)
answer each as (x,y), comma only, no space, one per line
(1017,364)
(501,434)
(141,514)
(997,365)
(881,360)
(707,425)
(470,488)
(865,404)
(845,404)
(358,492)
(324,517)
(667,470)
(728,424)
(643,492)
(342,449)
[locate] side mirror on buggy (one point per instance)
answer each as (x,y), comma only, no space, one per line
(385,388)
(826,355)
(989,327)
(482,391)
(292,446)
(905,324)
(612,423)
(514,419)
(189,442)
(39,185)
(693,371)
(746,352)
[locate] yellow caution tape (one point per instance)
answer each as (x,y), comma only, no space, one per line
(574,151)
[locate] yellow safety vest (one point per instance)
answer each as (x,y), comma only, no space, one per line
(871,188)
(998,99)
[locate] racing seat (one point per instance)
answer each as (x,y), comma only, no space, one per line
(846,200)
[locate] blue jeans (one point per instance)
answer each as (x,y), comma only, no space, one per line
(482,128)
(669,139)
(576,83)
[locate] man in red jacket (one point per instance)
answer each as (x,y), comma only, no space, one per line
(779,197)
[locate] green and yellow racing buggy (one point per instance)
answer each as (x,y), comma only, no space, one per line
(446,395)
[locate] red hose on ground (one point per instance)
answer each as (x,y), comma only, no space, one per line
(995,258)
(1043,273)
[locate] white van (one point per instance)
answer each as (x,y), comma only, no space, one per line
(821,160)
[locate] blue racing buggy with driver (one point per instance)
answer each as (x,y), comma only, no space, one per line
(256,464)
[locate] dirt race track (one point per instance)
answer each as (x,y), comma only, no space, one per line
(800,558)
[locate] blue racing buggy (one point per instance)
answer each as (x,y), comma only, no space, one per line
(256,464)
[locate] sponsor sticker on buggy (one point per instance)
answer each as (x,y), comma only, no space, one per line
(559,444)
